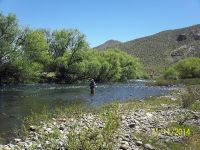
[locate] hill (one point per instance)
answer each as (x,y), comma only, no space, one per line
(109,44)
(158,51)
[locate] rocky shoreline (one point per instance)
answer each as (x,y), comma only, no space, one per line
(133,125)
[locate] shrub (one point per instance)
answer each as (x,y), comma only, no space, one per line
(171,73)
(186,68)
(187,100)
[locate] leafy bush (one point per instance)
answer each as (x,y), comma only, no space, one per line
(108,65)
(171,73)
(186,68)
(187,100)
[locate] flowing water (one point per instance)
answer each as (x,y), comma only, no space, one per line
(16,102)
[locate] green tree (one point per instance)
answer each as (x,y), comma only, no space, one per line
(8,33)
(171,73)
(66,40)
(35,47)
(117,65)
(68,45)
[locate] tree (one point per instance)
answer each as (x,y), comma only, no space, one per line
(35,47)
(66,40)
(8,32)
(117,65)
(68,45)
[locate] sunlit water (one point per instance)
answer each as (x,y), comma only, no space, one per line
(16,102)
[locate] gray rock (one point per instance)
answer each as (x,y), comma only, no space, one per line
(124,143)
(48,129)
(149,115)
(11,146)
(39,147)
(138,143)
(42,123)
(125,146)
(127,136)
(47,142)
(32,128)
(148,147)
(6,147)
(35,138)
(17,140)
(132,125)
(126,139)
(62,128)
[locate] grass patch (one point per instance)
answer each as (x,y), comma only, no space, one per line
(78,137)
(187,100)
(195,106)
(191,98)
(73,109)
(95,138)
(165,82)
(89,139)
(150,104)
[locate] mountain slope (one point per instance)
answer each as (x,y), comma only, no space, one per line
(158,51)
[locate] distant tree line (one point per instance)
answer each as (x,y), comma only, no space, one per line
(41,55)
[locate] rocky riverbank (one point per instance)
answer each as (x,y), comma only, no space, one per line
(146,125)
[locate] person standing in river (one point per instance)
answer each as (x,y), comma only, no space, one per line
(92,86)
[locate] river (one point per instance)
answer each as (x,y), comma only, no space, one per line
(16,102)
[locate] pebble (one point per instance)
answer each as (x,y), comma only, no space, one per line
(125,146)
(132,125)
(39,147)
(148,147)
(32,128)
(138,143)
(149,115)
(47,142)
(62,127)
(6,147)
(17,140)
(124,143)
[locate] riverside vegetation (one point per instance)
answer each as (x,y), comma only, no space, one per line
(185,71)
(62,56)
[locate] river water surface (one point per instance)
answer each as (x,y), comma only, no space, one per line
(16,102)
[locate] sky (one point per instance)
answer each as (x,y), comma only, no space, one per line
(102,20)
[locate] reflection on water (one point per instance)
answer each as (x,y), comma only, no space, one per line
(17,102)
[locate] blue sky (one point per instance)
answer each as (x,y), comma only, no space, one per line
(101,20)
